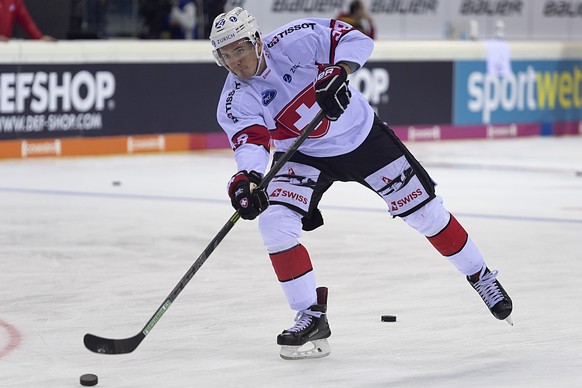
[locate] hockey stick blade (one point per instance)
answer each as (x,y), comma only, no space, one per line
(112,346)
(127,345)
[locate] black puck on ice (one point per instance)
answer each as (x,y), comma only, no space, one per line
(388,318)
(89,380)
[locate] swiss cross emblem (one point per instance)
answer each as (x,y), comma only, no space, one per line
(299,112)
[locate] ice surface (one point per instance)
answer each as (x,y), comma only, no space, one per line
(79,254)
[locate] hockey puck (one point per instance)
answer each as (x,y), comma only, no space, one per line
(116,183)
(89,380)
(388,318)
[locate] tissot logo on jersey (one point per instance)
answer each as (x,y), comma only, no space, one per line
(289,194)
(289,30)
(405,200)
(228,106)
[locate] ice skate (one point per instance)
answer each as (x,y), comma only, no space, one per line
(308,337)
(493,294)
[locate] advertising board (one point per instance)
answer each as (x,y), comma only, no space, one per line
(534,91)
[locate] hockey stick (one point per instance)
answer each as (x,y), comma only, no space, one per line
(127,345)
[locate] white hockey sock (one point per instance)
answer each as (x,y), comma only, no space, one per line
(447,235)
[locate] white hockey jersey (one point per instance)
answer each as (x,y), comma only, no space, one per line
(277,104)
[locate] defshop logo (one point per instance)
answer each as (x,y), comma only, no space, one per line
(405,200)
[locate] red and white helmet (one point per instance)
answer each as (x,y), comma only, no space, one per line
(232,26)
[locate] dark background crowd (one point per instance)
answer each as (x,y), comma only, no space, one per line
(129,19)
(108,19)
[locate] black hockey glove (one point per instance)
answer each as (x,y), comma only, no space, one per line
(244,198)
(331,90)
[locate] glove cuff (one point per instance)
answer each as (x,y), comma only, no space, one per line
(326,72)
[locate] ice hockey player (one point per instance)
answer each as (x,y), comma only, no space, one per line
(277,83)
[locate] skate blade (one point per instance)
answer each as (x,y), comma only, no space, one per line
(314,349)
(509,320)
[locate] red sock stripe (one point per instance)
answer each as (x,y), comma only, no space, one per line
(451,239)
(292,263)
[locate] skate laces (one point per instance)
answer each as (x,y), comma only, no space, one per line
(303,319)
(488,289)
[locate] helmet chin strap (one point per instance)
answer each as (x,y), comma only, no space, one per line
(260,59)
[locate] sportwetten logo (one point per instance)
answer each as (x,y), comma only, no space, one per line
(289,194)
(409,198)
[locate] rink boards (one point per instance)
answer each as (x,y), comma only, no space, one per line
(99,98)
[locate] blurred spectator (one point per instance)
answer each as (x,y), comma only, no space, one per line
(155,18)
(212,8)
(12,11)
(359,17)
(97,16)
(168,19)
(182,20)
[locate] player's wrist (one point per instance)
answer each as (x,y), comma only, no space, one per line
(344,66)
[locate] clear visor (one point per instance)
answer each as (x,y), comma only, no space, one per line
(234,52)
